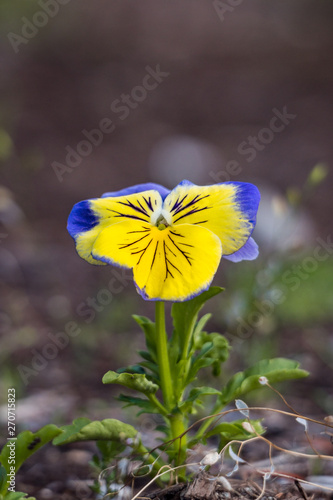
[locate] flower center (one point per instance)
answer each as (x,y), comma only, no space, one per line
(161,223)
(161,218)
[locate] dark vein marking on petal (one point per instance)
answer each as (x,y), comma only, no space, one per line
(171,264)
(191,212)
(142,252)
(185,254)
(167,262)
(135,207)
(143,231)
(148,202)
(151,266)
(196,199)
(185,244)
(142,207)
(178,203)
(170,250)
(177,234)
(126,216)
(121,247)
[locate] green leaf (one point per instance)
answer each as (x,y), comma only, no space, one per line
(153,368)
(214,351)
(201,324)
(195,396)
(145,404)
(132,369)
(110,449)
(146,355)
(185,314)
(16,495)
(221,346)
(276,370)
(83,429)
(3,478)
(202,360)
(220,351)
(70,430)
(229,431)
(149,330)
(26,444)
(138,382)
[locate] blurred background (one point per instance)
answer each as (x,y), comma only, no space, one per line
(96,96)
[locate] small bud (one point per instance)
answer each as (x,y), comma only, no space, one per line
(263,380)
(248,427)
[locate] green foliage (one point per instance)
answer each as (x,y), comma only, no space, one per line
(15,495)
(214,348)
(191,349)
(25,445)
(82,429)
(229,431)
(137,382)
(275,370)
(145,405)
(194,398)
(185,314)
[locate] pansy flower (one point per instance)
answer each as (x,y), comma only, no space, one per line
(173,240)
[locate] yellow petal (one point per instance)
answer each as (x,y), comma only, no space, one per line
(169,264)
(179,263)
(228,210)
(123,243)
(138,206)
(90,218)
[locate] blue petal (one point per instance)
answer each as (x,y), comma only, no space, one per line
(249,251)
(139,188)
(81,219)
(248,197)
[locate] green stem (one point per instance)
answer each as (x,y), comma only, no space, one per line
(188,337)
(176,419)
(158,405)
(185,356)
(155,463)
(163,357)
(177,429)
